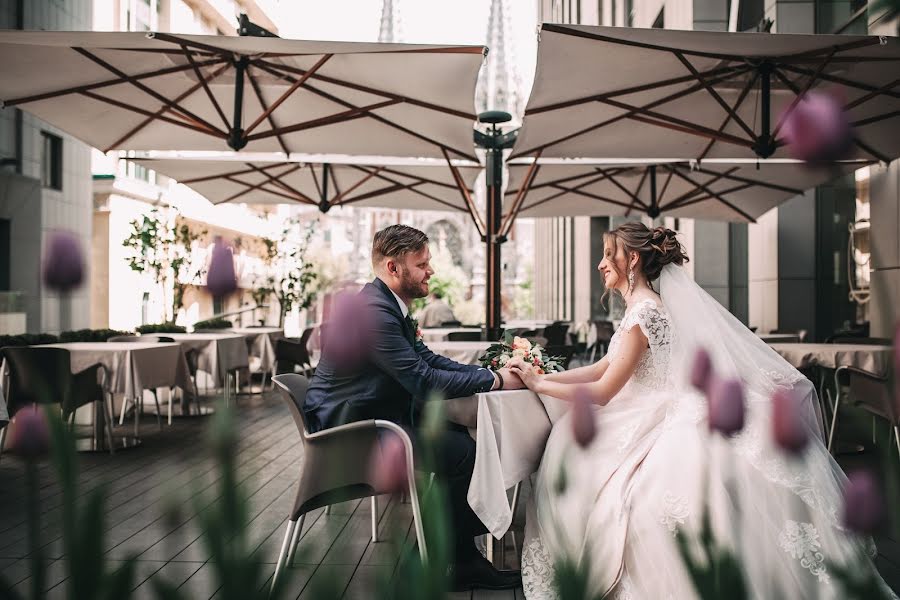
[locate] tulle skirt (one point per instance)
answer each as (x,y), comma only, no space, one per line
(614,507)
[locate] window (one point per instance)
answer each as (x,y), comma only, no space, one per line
(51,161)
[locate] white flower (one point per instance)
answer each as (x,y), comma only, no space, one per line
(503,359)
(521,344)
(535,353)
(518,353)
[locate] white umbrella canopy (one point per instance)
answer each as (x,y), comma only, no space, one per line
(721,191)
(608,92)
(162,91)
(373,183)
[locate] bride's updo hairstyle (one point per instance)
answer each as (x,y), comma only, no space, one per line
(656,247)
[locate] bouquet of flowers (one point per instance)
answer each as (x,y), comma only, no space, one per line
(500,353)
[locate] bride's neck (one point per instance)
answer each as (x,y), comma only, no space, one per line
(642,290)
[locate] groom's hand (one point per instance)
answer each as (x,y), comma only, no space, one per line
(511,381)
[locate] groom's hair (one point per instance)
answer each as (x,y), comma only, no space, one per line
(395,241)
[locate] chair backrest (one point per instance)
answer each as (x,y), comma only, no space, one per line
(566,352)
(868,341)
(304,337)
(165,340)
(464,336)
(556,334)
(451,324)
(874,394)
(293,390)
(605,331)
(133,338)
(291,350)
(37,376)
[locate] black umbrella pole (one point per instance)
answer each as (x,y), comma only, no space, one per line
(493,316)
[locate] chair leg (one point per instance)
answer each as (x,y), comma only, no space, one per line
(282,556)
(108,417)
(171,398)
(837,403)
(414,501)
(138,401)
(896,438)
(295,540)
(122,415)
(328,509)
(3,438)
(374,519)
(155,393)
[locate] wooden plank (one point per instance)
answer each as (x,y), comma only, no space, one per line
(175,573)
(366,580)
(202,584)
(327,578)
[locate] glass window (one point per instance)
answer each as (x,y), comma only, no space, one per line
(51,161)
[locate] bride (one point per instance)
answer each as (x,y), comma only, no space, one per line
(614,507)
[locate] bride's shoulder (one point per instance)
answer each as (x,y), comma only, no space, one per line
(650,304)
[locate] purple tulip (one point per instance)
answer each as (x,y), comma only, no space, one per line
(726,406)
(221,279)
(864,509)
(388,469)
(788,427)
(897,367)
(817,129)
(63,268)
(347,337)
(584,427)
(31,436)
(701,371)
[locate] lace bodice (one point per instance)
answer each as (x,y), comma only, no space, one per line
(653,369)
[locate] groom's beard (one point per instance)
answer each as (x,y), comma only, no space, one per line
(412,288)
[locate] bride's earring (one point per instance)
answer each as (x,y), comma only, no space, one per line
(630,280)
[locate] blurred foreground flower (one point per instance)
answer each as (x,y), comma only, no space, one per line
(388,465)
(788,427)
(221,280)
(583,426)
(31,436)
(726,406)
(347,337)
(701,371)
(817,129)
(63,268)
(864,509)
(897,363)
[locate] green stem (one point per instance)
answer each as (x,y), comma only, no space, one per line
(34,541)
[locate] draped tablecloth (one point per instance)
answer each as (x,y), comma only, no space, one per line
(218,353)
(466,353)
(439,334)
(131,367)
(871,358)
(261,342)
(510,430)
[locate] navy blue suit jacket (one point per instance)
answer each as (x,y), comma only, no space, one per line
(396,374)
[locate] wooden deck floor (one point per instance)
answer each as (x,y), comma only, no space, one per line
(171,466)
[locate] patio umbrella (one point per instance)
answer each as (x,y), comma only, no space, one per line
(370,181)
(162,91)
(607,92)
(715,190)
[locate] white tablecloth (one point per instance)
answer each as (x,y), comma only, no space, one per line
(871,358)
(439,334)
(466,353)
(510,430)
(218,353)
(261,341)
(131,367)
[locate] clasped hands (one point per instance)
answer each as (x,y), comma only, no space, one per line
(525,372)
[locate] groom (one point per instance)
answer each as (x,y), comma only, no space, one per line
(396,374)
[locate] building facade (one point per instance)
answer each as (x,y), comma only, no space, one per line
(45,185)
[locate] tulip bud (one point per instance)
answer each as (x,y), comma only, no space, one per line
(31,436)
(347,338)
(897,366)
(817,128)
(63,268)
(583,426)
(788,428)
(726,406)
(701,370)
(388,466)
(221,280)
(864,509)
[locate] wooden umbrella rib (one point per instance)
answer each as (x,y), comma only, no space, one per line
(718,72)
(875,118)
(203,82)
(798,94)
(751,81)
(293,88)
(592,196)
(716,196)
(369,90)
(180,41)
(147,113)
(731,177)
(627,114)
(843,47)
(381,191)
(545,184)
(334,181)
(131,133)
(312,172)
(340,196)
(662,192)
(872,94)
(866,148)
(233,173)
(107,83)
(715,95)
(593,180)
(633,195)
(842,80)
(467,197)
(716,176)
(153,93)
(356,113)
(520,197)
(278,181)
(256,90)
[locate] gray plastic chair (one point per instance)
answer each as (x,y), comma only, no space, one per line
(870,392)
(331,470)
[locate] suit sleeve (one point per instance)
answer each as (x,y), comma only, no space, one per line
(393,354)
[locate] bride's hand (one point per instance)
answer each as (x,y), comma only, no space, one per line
(529,377)
(516,362)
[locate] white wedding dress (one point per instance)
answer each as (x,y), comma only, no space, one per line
(653,464)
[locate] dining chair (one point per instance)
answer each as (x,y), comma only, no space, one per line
(464,336)
(334,470)
(871,392)
(44,376)
(605,331)
(291,352)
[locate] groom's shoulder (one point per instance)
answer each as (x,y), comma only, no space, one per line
(376,299)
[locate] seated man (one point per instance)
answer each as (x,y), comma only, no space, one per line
(394,372)
(436,312)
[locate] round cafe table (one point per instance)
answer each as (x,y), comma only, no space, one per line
(466,353)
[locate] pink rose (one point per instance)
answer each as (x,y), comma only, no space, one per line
(726,406)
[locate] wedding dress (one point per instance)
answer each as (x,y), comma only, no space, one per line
(615,506)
